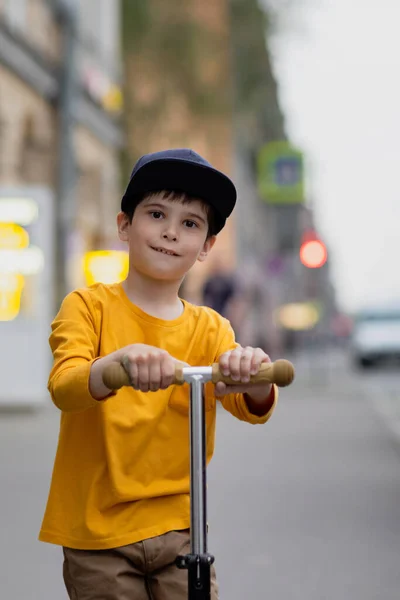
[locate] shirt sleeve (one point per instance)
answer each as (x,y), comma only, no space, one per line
(74,344)
(236,403)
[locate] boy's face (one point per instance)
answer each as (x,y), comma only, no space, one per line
(166,237)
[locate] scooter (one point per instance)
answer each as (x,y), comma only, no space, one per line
(199,561)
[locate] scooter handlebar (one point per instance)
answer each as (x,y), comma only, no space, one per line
(280,372)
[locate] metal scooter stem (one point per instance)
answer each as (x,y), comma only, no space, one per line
(198,474)
(198,562)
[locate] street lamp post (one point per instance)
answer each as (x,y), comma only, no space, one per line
(67,173)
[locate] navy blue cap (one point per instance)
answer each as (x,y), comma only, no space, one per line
(182,170)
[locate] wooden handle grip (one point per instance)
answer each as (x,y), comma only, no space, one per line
(280,372)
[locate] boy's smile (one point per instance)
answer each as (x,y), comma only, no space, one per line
(165,251)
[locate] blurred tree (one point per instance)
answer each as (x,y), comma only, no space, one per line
(258,116)
(188,66)
(177,74)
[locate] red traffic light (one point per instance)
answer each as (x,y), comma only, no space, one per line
(313,254)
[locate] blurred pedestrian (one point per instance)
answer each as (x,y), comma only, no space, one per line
(219,289)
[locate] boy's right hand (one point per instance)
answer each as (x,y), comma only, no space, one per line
(149,368)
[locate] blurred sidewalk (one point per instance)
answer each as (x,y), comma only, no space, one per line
(29,569)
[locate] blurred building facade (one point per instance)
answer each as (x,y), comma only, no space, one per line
(178,75)
(33,57)
(269,233)
(264,247)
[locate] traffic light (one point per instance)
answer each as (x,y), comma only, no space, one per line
(313,252)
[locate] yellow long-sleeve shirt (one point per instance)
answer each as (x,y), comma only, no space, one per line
(121,471)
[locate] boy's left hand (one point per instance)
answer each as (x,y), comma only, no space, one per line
(240,364)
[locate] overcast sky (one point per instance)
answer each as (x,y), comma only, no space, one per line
(338,67)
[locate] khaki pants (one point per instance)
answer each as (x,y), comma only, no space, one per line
(142,571)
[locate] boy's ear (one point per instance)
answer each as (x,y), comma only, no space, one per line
(208,244)
(123,226)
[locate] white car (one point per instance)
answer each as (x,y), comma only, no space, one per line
(376,336)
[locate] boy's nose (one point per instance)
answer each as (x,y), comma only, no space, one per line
(169,235)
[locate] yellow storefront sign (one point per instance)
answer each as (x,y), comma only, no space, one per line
(17,259)
(105,266)
(11,286)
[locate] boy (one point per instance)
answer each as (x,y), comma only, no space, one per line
(119,500)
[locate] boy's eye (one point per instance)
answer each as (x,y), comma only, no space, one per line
(190,224)
(156,214)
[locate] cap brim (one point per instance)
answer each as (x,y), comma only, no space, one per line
(199,181)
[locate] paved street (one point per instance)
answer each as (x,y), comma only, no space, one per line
(304,508)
